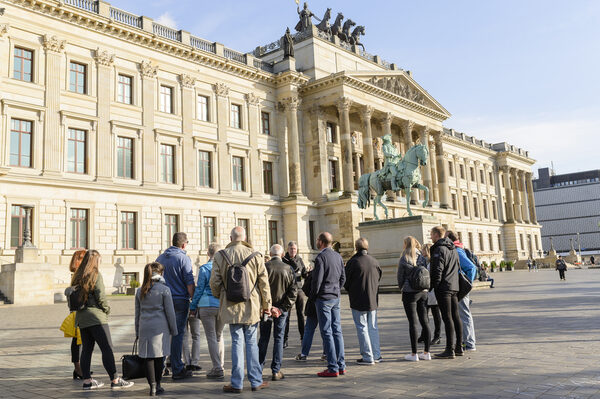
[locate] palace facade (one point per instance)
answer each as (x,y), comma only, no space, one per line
(120,131)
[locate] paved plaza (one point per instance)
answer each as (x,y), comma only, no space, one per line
(537,337)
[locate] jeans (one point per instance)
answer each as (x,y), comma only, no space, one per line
(181,314)
(466,318)
(240,334)
(99,334)
(299,304)
(328,313)
(415,306)
(448,303)
(278,324)
(213,329)
(368,334)
(192,357)
(309,332)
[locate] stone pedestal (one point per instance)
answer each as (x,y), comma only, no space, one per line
(386,240)
(573,257)
(287,64)
(28,281)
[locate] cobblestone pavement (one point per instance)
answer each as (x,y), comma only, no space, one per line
(537,337)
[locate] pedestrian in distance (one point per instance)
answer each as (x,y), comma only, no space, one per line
(244,296)
(432,305)
(282,283)
(179,278)
(297,264)
(328,278)
(414,298)
(363,274)
(561,266)
(484,276)
(444,271)
(92,320)
(155,324)
(529,264)
(206,307)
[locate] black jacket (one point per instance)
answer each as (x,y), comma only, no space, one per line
(328,275)
(282,283)
(297,265)
(444,267)
(362,281)
(310,310)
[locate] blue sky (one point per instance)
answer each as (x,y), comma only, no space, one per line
(526,72)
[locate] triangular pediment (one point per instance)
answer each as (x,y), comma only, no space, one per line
(401,84)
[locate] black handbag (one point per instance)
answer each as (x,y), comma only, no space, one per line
(464,286)
(133,366)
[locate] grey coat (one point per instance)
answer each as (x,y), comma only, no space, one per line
(155,321)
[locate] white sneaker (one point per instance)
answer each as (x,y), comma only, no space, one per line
(425,356)
(92,385)
(411,358)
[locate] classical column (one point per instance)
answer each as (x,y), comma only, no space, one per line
(427,168)
(281,130)
(442,169)
(291,112)
(386,128)
(407,128)
(459,197)
(510,215)
(188,151)
(478,194)
(434,181)
(148,71)
(358,172)
(365,116)
(343,105)
(498,190)
(532,213)
(104,144)
(516,195)
(224,164)
(319,149)
(53,140)
(253,129)
(523,189)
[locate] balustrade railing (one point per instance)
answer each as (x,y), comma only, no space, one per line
(126,18)
(265,66)
(234,55)
(88,5)
(166,32)
(202,44)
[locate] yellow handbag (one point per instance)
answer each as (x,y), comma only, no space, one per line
(68,327)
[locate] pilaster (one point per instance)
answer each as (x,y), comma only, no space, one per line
(343,106)
(148,71)
(224,164)
(252,101)
(104,143)
(188,152)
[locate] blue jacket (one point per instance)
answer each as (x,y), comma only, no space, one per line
(203,297)
(467,267)
(178,271)
(328,275)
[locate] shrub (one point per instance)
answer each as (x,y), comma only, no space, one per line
(510,263)
(134,283)
(493,264)
(502,264)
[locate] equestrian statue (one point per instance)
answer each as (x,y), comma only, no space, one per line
(397,174)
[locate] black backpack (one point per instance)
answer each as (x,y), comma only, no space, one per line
(237,286)
(74,299)
(419,278)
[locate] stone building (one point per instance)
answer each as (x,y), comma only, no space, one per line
(120,131)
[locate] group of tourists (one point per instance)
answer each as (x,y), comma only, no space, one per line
(255,298)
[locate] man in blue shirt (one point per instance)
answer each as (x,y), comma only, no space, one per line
(180,279)
(464,306)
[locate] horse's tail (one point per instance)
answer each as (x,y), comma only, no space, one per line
(364,193)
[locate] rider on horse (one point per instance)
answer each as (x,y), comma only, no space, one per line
(391,158)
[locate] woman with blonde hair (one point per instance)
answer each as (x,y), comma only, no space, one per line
(73,266)
(92,320)
(155,323)
(414,301)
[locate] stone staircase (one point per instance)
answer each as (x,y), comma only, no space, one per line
(4,300)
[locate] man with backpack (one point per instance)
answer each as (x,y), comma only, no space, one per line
(362,283)
(469,269)
(239,279)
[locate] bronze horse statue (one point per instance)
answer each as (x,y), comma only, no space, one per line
(355,36)
(324,25)
(336,28)
(344,35)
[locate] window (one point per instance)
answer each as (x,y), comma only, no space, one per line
(76,151)
(471,244)
(23,64)
(450,168)
(245,223)
(171,227)
(238,174)
(485,209)
(17,224)
(333,177)
(125,157)
(472,174)
(124,89)
(465,205)
(312,232)
(462,171)
(475,207)
(268,177)
(331,132)
(537,243)
(491,179)
(128,230)
(481,177)
(481,243)
(499,242)
(454,202)
(166,99)
(236,120)
(491,241)
(494,211)
(77,78)
(272,232)
(266,123)
(20,143)
(79,228)
(167,163)
(204,169)
(202,108)
(209,230)
(521,241)
(460,237)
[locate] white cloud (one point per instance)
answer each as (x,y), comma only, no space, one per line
(167,20)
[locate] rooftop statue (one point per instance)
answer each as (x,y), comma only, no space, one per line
(406,177)
(324,25)
(344,35)
(355,36)
(336,28)
(287,44)
(305,18)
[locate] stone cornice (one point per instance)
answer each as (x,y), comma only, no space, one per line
(342,79)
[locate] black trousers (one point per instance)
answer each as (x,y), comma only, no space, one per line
(99,334)
(74,351)
(300,303)
(448,303)
(154,369)
(561,274)
(437,319)
(415,305)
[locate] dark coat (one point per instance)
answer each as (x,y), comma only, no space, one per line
(310,310)
(282,283)
(328,275)
(445,266)
(298,267)
(362,281)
